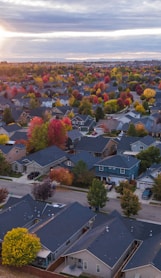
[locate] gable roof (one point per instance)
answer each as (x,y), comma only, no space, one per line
(119,161)
(19,135)
(7,148)
(85,156)
(21,212)
(126,141)
(108,243)
(12,127)
(45,156)
(65,224)
(92,144)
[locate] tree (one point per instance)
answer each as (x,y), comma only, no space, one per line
(140,130)
(38,139)
(85,107)
(36,121)
(97,194)
(61,175)
(67,122)
(99,114)
(3,139)
(7,116)
(148,157)
(82,176)
(57,134)
(125,185)
(3,194)
(130,203)
(5,167)
(157,188)
(19,247)
(43,191)
(149,93)
(131,130)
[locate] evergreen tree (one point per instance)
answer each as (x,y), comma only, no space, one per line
(7,116)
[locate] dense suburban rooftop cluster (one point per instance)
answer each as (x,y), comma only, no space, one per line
(108,113)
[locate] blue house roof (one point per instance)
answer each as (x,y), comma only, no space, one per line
(92,144)
(45,156)
(85,156)
(71,219)
(119,161)
(107,242)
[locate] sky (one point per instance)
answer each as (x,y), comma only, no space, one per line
(84,30)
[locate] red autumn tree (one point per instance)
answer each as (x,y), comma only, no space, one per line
(67,122)
(106,79)
(36,121)
(105,97)
(57,133)
(61,175)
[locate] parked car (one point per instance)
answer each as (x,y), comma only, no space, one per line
(147,193)
(33,175)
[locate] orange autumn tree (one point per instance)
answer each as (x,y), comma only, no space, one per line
(61,175)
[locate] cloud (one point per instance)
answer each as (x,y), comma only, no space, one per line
(89,27)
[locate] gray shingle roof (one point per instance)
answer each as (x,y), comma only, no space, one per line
(71,219)
(107,242)
(85,156)
(45,156)
(92,144)
(123,161)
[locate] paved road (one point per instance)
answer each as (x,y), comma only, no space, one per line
(148,212)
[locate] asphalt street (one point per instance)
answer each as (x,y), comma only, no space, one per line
(19,187)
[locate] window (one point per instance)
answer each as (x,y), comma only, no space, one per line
(98,268)
(69,163)
(101,168)
(122,171)
(85,266)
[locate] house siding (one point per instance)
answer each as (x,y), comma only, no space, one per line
(15,154)
(114,171)
(83,257)
(143,272)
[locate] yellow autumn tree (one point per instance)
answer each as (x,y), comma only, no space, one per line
(149,93)
(19,247)
(3,139)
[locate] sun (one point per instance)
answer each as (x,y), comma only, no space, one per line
(2,32)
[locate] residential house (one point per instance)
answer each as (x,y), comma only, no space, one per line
(13,152)
(109,125)
(131,250)
(49,222)
(41,161)
(99,146)
(132,145)
(74,136)
(84,156)
(5,103)
(146,179)
(116,168)
(85,123)
(10,129)
(19,136)
(63,229)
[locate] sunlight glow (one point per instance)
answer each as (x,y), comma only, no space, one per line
(2,33)
(78,34)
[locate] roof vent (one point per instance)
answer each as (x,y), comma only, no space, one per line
(107,229)
(150,234)
(132,229)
